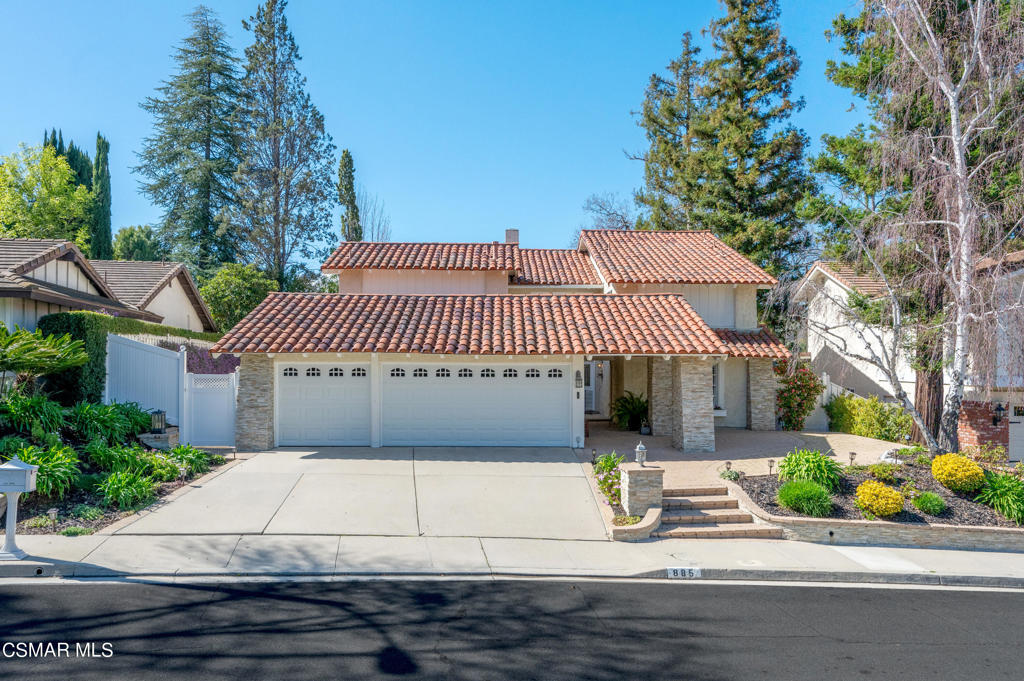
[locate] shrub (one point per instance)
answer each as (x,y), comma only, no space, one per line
(31,354)
(629,410)
(1005,494)
(217,460)
(886,472)
(606,470)
(797,392)
(161,468)
(85,383)
(91,421)
(868,418)
(929,503)
(88,482)
(923,460)
(139,420)
(10,445)
(804,496)
(730,475)
(957,472)
(193,460)
(86,512)
(126,489)
(22,413)
(76,531)
(58,469)
(117,458)
(986,453)
(810,464)
(877,499)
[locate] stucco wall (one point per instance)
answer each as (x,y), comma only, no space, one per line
(634,375)
(175,307)
(717,304)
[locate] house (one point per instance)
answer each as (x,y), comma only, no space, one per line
(42,276)
(996,379)
(491,344)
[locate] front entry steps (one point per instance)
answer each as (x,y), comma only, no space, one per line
(708,513)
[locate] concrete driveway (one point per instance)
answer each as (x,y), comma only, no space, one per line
(396,491)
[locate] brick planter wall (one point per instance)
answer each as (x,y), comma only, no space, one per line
(976,425)
(254,415)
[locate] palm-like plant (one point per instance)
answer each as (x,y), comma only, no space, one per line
(29,354)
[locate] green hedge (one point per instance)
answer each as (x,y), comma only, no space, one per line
(868,417)
(85,383)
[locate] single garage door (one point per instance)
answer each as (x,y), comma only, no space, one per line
(323,404)
(488,405)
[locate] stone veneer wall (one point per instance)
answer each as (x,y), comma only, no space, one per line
(761,389)
(254,415)
(659,390)
(641,487)
(693,426)
(976,426)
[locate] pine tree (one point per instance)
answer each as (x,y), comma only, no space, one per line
(351,228)
(189,161)
(735,161)
(285,186)
(100,244)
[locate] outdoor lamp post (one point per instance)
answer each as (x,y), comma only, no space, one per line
(641,454)
(158,422)
(853,456)
(771,464)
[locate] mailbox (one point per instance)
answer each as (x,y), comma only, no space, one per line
(18,476)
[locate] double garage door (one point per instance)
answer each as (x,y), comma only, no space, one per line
(457,404)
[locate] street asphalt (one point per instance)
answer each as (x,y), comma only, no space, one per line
(509,629)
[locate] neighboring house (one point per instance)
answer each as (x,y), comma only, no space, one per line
(491,344)
(163,288)
(42,276)
(829,339)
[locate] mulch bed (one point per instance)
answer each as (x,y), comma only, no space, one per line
(32,506)
(960,509)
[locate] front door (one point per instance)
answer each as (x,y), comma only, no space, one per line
(1016,432)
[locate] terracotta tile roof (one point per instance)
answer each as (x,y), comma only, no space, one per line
(861,281)
(352,255)
(473,324)
(684,257)
(138,282)
(556,266)
(760,343)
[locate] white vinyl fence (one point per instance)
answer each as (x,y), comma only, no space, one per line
(201,405)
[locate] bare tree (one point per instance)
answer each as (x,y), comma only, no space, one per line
(608,211)
(374,219)
(959,61)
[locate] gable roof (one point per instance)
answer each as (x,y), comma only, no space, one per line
(555,266)
(550,324)
(350,255)
(668,257)
(854,279)
(20,257)
(137,282)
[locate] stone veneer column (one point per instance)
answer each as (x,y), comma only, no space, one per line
(693,427)
(760,394)
(659,392)
(254,413)
(641,487)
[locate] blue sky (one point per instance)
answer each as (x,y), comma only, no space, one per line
(464,117)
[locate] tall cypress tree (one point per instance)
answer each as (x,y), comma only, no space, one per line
(100,244)
(351,228)
(285,185)
(740,170)
(78,160)
(189,161)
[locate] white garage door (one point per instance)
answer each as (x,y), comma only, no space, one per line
(323,404)
(489,405)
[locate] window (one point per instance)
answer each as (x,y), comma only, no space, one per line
(716,383)
(533,373)
(291,372)
(487,373)
(312,372)
(419,373)
(554,373)
(398,373)
(443,373)
(359,373)
(510,373)
(465,373)
(336,372)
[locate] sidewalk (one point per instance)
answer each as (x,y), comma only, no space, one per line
(184,556)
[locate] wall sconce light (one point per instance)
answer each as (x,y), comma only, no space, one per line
(579,379)
(1000,410)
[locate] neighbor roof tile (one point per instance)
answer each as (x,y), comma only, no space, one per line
(352,255)
(556,266)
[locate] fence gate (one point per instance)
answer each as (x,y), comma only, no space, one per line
(210,409)
(152,376)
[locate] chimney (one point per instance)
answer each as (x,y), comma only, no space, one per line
(512,236)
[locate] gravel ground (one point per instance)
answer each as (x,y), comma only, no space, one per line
(960,509)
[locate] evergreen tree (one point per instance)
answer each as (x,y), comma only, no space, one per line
(189,161)
(138,242)
(100,246)
(733,160)
(285,187)
(351,228)
(78,160)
